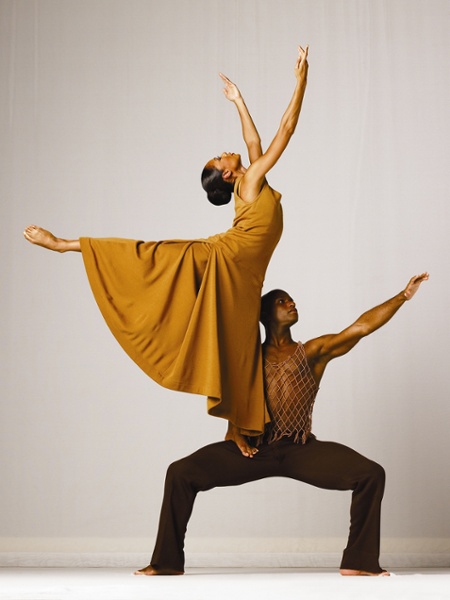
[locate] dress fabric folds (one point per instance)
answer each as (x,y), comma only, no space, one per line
(187,311)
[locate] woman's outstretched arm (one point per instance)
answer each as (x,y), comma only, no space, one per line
(249,131)
(254,177)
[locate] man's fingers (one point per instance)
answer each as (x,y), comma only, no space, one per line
(420,278)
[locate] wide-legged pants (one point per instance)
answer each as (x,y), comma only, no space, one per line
(325,465)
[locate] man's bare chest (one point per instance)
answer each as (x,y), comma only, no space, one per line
(276,355)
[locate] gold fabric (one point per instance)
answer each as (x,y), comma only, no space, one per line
(187,311)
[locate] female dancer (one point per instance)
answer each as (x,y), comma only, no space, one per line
(186,311)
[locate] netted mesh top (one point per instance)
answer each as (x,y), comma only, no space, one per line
(290,393)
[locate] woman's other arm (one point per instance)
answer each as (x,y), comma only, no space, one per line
(249,131)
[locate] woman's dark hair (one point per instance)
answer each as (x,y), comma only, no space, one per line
(218,190)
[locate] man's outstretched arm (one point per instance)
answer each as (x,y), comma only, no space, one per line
(323,349)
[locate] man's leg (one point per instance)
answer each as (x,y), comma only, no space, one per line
(333,466)
(216,465)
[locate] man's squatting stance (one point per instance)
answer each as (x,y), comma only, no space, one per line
(292,373)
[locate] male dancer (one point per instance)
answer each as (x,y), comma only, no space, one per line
(292,373)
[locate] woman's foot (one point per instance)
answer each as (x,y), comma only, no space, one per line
(152,571)
(240,441)
(41,237)
(356,573)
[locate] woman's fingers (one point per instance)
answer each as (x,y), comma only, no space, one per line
(303,52)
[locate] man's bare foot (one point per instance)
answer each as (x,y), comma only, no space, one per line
(240,441)
(356,573)
(151,571)
(41,237)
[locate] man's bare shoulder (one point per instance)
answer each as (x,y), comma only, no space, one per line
(314,348)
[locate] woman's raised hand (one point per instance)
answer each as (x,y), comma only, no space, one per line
(230,90)
(301,64)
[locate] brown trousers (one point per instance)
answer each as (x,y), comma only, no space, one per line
(325,465)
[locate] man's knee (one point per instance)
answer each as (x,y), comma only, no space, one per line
(377,474)
(178,471)
(186,473)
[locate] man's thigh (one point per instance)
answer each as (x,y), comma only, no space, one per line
(222,464)
(326,465)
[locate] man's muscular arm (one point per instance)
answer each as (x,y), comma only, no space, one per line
(321,350)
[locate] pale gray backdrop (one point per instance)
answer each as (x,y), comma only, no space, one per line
(109,110)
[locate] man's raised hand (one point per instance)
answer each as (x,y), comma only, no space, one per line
(414,284)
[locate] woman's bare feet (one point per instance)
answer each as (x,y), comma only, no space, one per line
(41,237)
(240,441)
(353,573)
(151,571)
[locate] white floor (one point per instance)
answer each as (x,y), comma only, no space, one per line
(217,584)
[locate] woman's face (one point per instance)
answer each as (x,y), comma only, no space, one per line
(226,161)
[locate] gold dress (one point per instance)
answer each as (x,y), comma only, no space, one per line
(187,311)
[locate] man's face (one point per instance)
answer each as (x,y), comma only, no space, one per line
(283,311)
